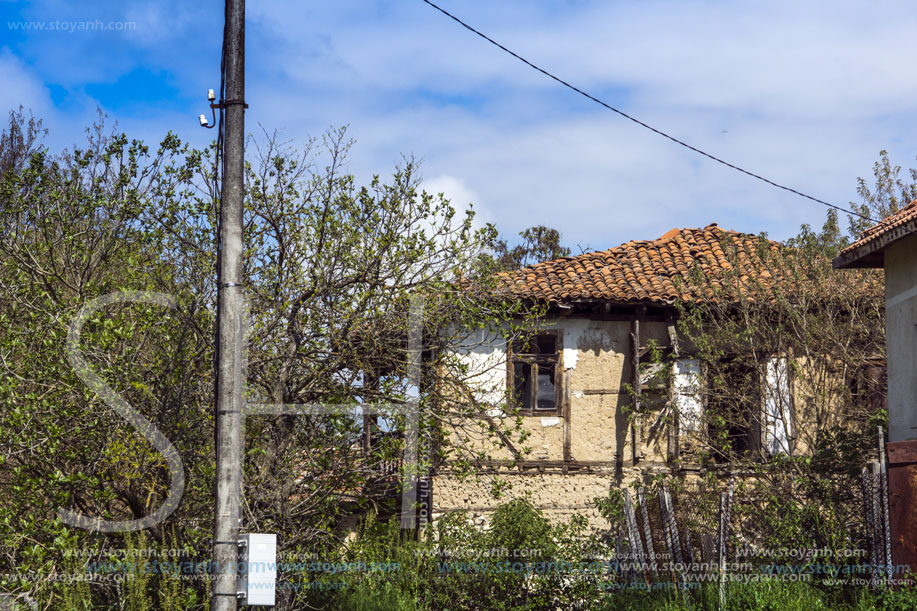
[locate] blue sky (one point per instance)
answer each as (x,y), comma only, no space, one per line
(806,94)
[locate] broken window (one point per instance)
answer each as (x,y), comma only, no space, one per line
(534,374)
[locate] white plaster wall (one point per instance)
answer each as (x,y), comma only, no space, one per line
(484,354)
(573,333)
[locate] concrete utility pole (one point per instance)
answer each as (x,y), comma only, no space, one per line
(230,318)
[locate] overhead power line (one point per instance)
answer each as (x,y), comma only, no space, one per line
(638,121)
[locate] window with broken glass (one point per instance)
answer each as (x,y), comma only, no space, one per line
(533,375)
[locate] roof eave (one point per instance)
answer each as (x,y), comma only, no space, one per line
(872,253)
(864,257)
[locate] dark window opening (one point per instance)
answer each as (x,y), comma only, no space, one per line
(734,406)
(534,374)
(869,385)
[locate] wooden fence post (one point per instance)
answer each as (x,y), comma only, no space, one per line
(883,504)
(721,549)
(647,530)
(633,533)
(869,524)
(673,524)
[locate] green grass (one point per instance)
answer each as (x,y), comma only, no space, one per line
(770,596)
(765,596)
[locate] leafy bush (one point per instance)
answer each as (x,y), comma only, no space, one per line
(510,564)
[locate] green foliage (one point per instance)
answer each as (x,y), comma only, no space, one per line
(137,582)
(74,228)
(428,576)
(612,507)
(889,194)
(787,303)
(456,565)
(72,597)
(172,591)
(330,269)
(888,599)
(539,243)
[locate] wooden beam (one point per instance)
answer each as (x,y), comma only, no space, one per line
(636,383)
(633,533)
(568,418)
(370,421)
(673,444)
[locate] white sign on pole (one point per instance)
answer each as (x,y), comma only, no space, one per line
(257,569)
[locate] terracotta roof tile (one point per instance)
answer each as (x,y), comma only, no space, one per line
(866,252)
(638,271)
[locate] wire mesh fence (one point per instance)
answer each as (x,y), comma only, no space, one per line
(765,523)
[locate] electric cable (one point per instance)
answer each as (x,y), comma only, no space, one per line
(639,122)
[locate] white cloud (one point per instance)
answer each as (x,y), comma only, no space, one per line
(460,196)
(452,188)
(803,93)
(21,87)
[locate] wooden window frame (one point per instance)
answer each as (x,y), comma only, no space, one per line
(533,361)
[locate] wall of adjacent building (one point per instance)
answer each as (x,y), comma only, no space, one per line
(901,334)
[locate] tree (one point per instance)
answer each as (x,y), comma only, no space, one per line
(73,228)
(796,304)
(793,360)
(827,327)
(889,194)
(330,267)
(539,243)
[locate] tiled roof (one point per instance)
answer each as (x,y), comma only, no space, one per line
(642,271)
(867,251)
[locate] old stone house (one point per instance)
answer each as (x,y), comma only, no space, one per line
(579,379)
